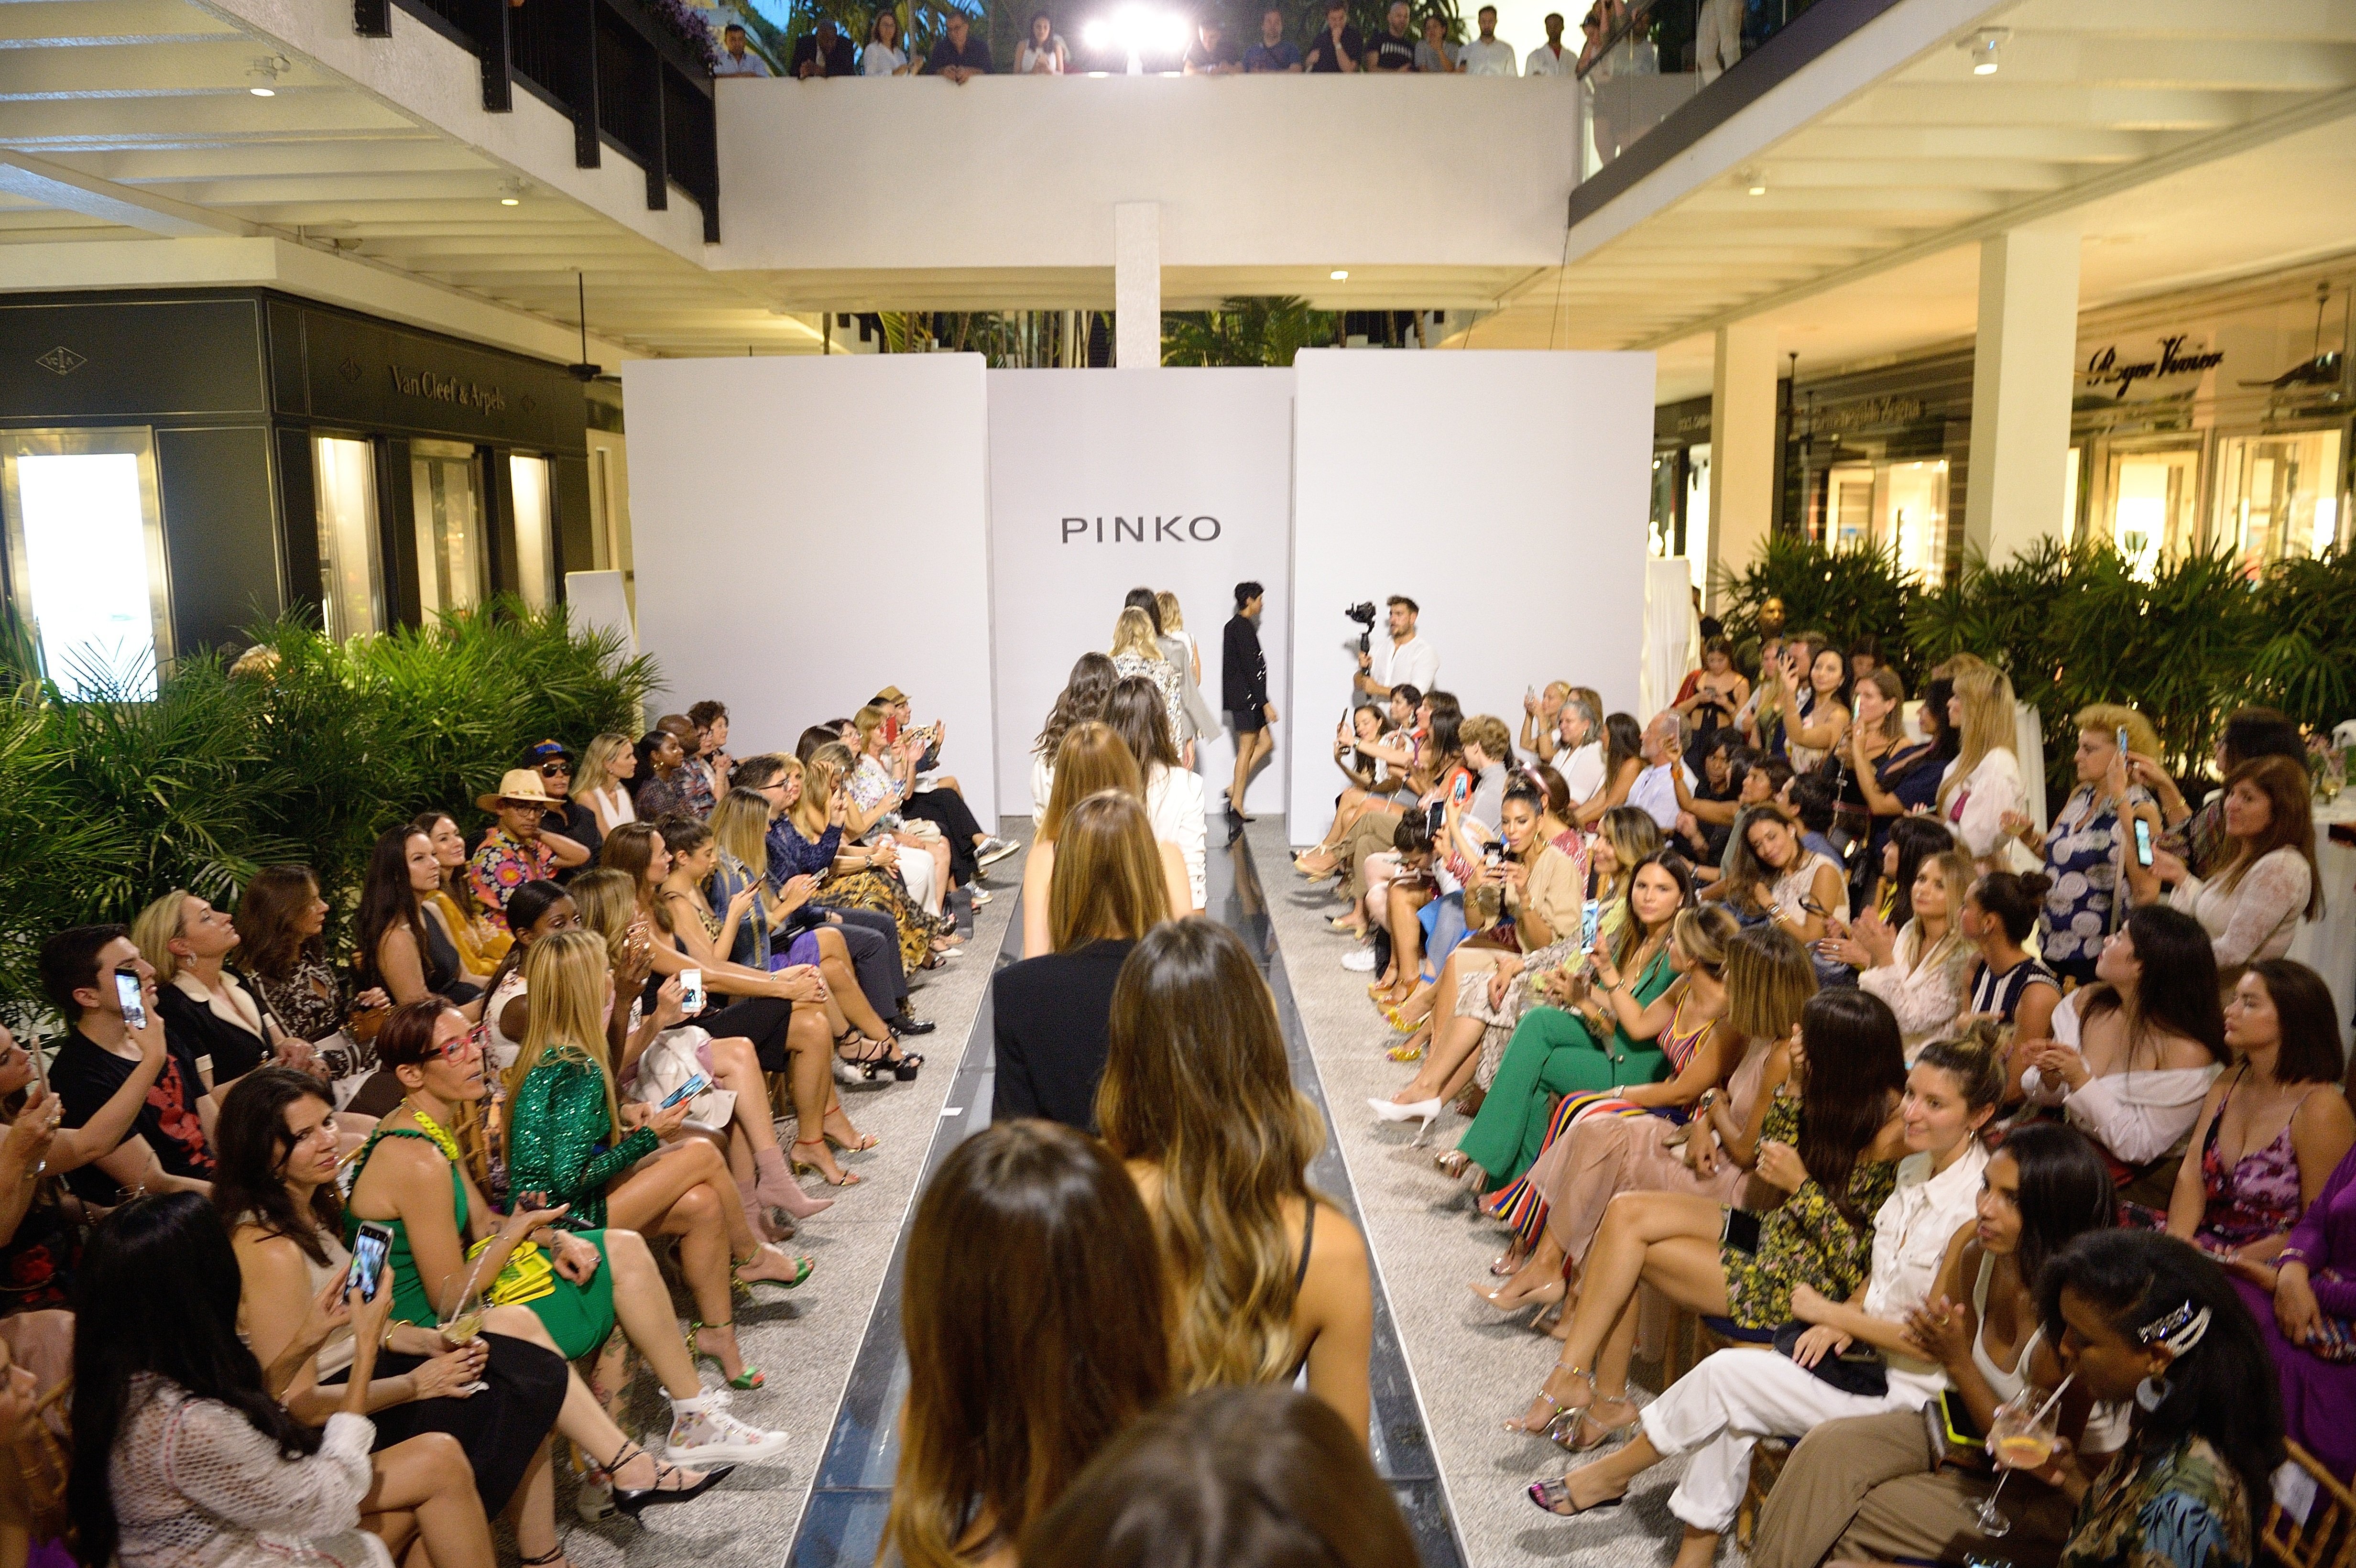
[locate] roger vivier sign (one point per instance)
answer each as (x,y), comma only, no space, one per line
(2177,357)
(446,390)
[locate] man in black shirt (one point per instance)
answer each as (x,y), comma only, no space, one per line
(1212,54)
(822,52)
(1243,687)
(1338,48)
(1394,50)
(960,57)
(165,1148)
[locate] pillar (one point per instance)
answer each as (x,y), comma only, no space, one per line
(1741,449)
(1137,284)
(2024,373)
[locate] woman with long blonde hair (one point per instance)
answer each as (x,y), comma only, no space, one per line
(1092,759)
(604,787)
(1982,786)
(1136,650)
(1197,1099)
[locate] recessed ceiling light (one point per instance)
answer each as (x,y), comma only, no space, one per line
(263,92)
(510,201)
(1340,274)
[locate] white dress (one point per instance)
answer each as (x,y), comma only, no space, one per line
(614,804)
(1174,802)
(1582,772)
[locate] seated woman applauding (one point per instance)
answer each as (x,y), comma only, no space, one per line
(1918,969)
(1830,1142)
(1872,1487)
(1718,1411)
(1591,1040)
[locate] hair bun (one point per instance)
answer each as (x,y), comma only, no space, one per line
(2036,884)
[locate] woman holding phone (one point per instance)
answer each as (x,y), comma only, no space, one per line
(2088,840)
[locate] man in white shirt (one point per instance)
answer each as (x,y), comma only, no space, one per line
(1654,792)
(1488,55)
(1550,59)
(735,59)
(1408,660)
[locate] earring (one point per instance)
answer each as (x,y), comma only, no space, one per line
(2152,1393)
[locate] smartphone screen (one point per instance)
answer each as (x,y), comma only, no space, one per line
(687,1091)
(2143,842)
(370,1248)
(126,991)
(691,991)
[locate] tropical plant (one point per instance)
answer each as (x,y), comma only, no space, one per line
(1846,593)
(1244,331)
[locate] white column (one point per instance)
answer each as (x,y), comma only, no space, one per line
(1137,284)
(2024,369)
(1741,448)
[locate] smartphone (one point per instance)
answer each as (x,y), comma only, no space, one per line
(370,1248)
(690,991)
(2122,747)
(1590,915)
(2143,843)
(1742,1231)
(687,1091)
(126,992)
(1956,1425)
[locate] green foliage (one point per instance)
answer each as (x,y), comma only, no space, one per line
(1847,593)
(106,802)
(1244,331)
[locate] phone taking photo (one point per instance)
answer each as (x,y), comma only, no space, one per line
(370,1248)
(687,1091)
(2143,843)
(690,991)
(126,992)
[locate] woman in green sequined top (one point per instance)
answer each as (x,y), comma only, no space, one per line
(565,1140)
(1830,1141)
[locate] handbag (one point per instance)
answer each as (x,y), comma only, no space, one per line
(1860,1370)
(527,1276)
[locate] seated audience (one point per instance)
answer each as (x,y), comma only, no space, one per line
(1397,751)
(1271,1279)
(1718,1411)
(1921,968)
(1982,786)
(2134,1054)
(958,55)
(1093,758)
(1884,774)
(2198,838)
(1665,774)
(1030,1260)
(1869,1488)
(604,783)
(661,785)
(883,55)
(1623,747)
(281,921)
(514,851)
(454,907)
(1542,719)
(2274,1127)
(564,817)
(1822,713)
(2087,842)
(877,780)
(2266,880)
(210,1016)
(2311,1318)
(1912,840)
(1274,52)
(1337,46)
(181,1454)
(1711,695)
(1579,756)
(1247,1478)
(1212,53)
(396,948)
(1771,874)
(810,838)
(164,1149)
(2007,985)
(1053,1013)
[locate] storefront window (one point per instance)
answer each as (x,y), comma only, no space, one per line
(1914,516)
(535,533)
(1697,544)
(1848,506)
(86,555)
(453,570)
(2276,495)
(2153,498)
(350,583)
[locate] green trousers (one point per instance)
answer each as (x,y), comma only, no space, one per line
(1552,1054)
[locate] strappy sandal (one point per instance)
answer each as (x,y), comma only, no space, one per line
(866,1141)
(1406,1051)
(847,1177)
(1569,1431)
(747,1380)
(803,1265)
(543,1560)
(1556,1409)
(868,1056)
(1554,1497)
(634,1500)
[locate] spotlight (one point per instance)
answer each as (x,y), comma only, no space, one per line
(264,75)
(511,192)
(1753,181)
(1133,30)
(1340,274)
(1984,48)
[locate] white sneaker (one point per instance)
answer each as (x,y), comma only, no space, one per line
(703,1434)
(1359,960)
(994,849)
(981,896)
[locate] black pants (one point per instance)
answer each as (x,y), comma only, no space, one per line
(874,945)
(946,810)
(500,1428)
(761,1019)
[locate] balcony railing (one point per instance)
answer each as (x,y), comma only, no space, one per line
(623,79)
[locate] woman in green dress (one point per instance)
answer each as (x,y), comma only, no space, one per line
(1580,1045)
(413,1178)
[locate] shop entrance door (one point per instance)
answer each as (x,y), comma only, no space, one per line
(2275,494)
(2153,499)
(454,568)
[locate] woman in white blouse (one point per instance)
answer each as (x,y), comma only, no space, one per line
(1043,52)
(882,56)
(2133,1055)
(1174,796)
(2250,908)
(1580,729)
(1982,785)
(604,787)
(1920,968)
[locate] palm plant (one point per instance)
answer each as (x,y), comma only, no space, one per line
(1846,593)
(1244,331)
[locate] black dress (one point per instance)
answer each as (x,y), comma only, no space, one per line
(500,1428)
(1053,1015)
(1243,675)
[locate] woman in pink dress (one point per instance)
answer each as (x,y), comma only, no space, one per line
(1740,1054)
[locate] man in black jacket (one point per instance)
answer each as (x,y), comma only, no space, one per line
(1242,690)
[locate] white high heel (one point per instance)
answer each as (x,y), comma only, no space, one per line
(1424,1110)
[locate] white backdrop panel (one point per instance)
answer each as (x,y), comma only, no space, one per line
(1506,492)
(1102,481)
(788,567)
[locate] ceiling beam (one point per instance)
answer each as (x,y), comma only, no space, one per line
(53,184)
(45,23)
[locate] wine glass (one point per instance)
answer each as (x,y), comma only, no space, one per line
(463,1324)
(2021,1438)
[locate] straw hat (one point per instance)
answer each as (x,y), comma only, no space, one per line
(516,784)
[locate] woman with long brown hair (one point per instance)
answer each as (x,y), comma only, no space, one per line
(1093,758)
(283,921)
(480,943)
(2252,907)
(395,946)
(1031,1258)
(815,839)
(1197,1097)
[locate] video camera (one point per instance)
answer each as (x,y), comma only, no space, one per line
(1364,613)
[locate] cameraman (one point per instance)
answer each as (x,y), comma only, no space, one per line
(1407,660)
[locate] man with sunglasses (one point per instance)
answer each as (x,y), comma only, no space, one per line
(563,817)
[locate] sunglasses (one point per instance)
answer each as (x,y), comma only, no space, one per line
(550,769)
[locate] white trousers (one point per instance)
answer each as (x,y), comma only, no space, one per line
(1718,1410)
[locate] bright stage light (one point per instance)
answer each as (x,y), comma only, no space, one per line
(1340,274)
(1133,30)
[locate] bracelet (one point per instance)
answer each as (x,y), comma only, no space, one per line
(2293,1255)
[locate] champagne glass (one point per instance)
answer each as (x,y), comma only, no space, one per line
(2021,1438)
(463,1324)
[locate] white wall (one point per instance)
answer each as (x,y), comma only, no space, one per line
(1181,455)
(1505,492)
(791,566)
(1252,171)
